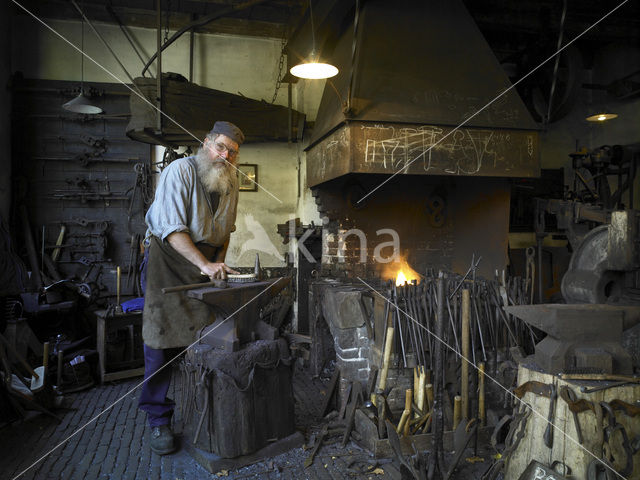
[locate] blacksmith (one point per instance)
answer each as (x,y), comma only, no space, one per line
(189,224)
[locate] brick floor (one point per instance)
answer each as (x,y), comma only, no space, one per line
(91,443)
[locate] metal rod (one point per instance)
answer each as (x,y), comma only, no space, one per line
(199,23)
(192,34)
(158,68)
(395,302)
(126,34)
(464,376)
(105,44)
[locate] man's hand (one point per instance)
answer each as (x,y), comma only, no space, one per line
(183,244)
(217,270)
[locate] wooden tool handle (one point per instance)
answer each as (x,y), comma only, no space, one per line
(481,405)
(386,359)
(429,394)
(182,288)
(404,420)
(45,355)
(457,402)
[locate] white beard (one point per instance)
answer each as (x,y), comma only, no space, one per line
(214,178)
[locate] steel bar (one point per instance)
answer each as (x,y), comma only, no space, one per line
(158,69)
(399,325)
(437,457)
(104,42)
(464,376)
(125,32)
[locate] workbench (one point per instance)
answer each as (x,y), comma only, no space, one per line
(108,322)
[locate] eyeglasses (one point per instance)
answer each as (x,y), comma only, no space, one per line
(221,148)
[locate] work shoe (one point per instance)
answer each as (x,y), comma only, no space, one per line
(162,440)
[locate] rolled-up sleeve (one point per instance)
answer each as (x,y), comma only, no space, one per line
(170,210)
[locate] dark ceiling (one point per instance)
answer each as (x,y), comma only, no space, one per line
(521,33)
(505,23)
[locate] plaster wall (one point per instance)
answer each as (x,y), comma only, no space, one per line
(241,65)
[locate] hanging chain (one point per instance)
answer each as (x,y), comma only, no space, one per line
(281,60)
(166,26)
(280,67)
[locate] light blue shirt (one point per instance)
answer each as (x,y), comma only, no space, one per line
(182,204)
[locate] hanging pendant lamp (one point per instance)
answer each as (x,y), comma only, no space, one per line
(312,67)
(81,104)
(602,117)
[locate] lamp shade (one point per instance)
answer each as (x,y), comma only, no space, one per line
(81,104)
(314,70)
(601,117)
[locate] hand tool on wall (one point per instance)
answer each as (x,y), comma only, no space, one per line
(548,432)
(56,251)
(570,397)
(606,386)
(600,376)
(612,429)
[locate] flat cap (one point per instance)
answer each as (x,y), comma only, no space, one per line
(229,130)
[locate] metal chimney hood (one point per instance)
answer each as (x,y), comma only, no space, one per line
(421,68)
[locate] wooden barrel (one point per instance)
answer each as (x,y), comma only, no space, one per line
(565,447)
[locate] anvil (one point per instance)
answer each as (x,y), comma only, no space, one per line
(580,336)
(237,312)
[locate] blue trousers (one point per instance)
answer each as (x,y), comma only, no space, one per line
(153,398)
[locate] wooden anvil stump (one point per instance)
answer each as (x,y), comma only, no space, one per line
(235,403)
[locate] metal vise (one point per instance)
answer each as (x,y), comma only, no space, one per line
(582,337)
(238,307)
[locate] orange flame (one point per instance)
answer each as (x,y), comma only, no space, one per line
(404,274)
